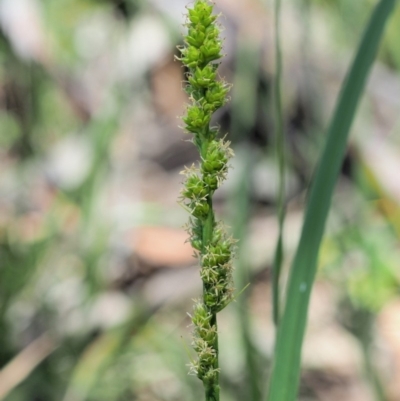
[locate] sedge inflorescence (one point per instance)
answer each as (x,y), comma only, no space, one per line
(212,245)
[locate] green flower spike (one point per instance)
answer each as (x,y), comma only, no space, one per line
(213,247)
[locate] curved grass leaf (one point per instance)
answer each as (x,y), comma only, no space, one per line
(286,368)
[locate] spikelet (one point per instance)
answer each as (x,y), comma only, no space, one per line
(213,246)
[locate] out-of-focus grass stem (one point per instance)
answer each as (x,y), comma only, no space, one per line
(280,155)
(242,204)
(244,107)
(370,369)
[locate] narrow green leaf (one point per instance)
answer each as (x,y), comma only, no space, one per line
(286,367)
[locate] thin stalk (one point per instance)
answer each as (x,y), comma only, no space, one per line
(208,226)
(203,47)
(280,154)
(365,337)
(211,388)
(286,369)
(241,201)
(244,113)
(373,377)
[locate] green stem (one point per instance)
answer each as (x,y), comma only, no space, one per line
(363,330)
(211,389)
(280,153)
(241,202)
(243,119)
(202,47)
(212,392)
(208,226)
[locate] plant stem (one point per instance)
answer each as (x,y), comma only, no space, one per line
(211,389)
(244,110)
(203,47)
(208,226)
(280,153)
(253,377)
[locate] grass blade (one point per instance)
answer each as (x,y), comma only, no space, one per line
(286,368)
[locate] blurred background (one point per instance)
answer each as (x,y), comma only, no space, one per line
(96,279)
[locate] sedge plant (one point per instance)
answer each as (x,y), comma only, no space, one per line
(213,246)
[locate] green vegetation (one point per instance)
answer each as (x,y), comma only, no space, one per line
(215,247)
(96,280)
(286,369)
